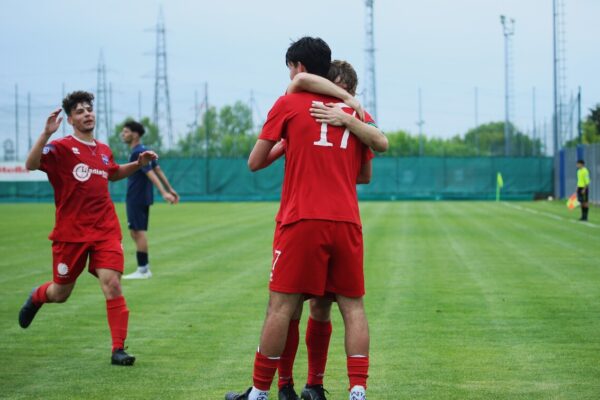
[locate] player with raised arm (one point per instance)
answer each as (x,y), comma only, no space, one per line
(318,241)
(86,226)
(140,197)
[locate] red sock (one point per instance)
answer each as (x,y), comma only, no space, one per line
(118,317)
(286,362)
(358,370)
(39,295)
(264,371)
(318,335)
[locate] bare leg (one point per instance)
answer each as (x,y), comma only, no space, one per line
(280,310)
(140,239)
(59,293)
(355,322)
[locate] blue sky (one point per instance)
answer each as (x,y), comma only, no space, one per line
(447,48)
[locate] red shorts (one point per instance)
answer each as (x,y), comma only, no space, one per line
(318,257)
(69,258)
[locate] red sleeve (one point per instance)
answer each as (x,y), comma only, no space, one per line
(369,119)
(366,155)
(275,125)
(49,157)
(112,165)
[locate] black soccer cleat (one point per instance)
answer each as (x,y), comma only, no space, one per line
(313,392)
(120,357)
(28,311)
(238,396)
(287,392)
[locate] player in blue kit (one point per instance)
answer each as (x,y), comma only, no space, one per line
(140,197)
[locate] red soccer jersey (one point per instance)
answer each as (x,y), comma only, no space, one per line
(321,162)
(79,173)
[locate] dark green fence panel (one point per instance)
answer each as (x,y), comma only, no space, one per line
(438,178)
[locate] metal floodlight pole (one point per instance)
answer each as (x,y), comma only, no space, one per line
(370,90)
(29,140)
(555,78)
(16,122)
(508,28)
(579,127)
(420,124)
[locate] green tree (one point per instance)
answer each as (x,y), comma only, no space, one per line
(590,129)
(229,133)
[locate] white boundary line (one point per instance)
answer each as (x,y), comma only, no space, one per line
(556,217)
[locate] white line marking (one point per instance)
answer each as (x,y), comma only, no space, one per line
(556,217)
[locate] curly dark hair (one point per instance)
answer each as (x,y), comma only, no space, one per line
(135,126)
(74,98)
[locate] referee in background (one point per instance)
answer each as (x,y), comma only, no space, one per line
(583,189)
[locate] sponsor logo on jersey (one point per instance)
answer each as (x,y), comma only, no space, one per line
(62,269)
(105,159)
(83,172)
(75,150)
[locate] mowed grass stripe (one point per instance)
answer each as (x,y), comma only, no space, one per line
(465,301)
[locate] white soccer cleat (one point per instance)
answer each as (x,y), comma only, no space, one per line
(139,275)
(358,393)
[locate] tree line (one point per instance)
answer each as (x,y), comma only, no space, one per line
(230,132)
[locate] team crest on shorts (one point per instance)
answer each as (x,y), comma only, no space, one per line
(105,159)
(62,269)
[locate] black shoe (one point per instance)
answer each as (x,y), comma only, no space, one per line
(28,311)
(288,393)
(120,357)
(238,396)
(313,392)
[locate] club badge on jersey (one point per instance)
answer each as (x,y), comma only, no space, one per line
(105,159)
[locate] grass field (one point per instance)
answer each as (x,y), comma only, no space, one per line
(466,300)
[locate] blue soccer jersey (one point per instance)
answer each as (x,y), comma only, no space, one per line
(139,187)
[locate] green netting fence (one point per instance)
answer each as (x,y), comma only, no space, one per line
(423,178)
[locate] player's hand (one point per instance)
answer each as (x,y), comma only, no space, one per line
(328,113)
(169,198)
(175,195)
(146,157)
(355,104)
(53,122)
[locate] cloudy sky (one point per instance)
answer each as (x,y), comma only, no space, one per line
(446,48)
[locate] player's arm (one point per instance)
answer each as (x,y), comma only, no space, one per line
(157,177)
(34,158)
(125,170)
(369,134)
(366,171)
(262,156)
(305,82)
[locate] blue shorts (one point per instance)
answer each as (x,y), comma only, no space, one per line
(137,217)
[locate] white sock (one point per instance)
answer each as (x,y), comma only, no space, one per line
(143,268)
(256,394)
(358,393)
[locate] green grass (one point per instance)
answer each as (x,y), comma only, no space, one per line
(466,300)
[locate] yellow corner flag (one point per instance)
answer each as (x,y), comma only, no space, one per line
(499,185)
